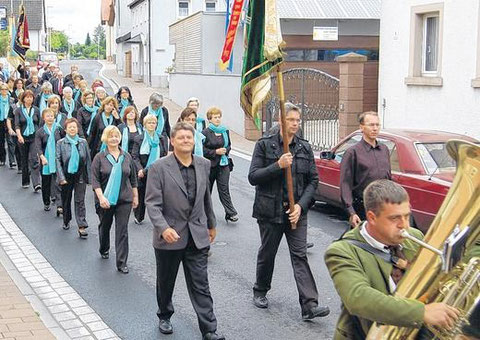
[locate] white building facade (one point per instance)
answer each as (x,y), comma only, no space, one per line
(429,73)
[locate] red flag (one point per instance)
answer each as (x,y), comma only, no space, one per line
(22,39)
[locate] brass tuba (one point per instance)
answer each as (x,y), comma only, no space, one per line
(426,280)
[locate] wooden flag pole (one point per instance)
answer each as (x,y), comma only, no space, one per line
(286,149)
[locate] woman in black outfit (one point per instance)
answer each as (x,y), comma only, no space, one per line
(124,99)
(18,88)
(86,113)
(142,155)
(27,120)
(130,128)
(107,115)
(216,147)
(54,103)
(46,139)
(69,106)
(114,181)
(73,174)
(5,108)
(156,108)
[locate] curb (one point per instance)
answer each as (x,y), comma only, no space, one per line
(113,84)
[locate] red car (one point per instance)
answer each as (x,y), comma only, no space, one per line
(419,161)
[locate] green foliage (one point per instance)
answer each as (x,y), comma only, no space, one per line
(88,41)
(99,36)
(59,41)
(31,55)
(4,42)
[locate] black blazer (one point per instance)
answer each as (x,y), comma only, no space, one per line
(142,160)
(75,109)
(21,121)
(166,127)
(212,143)
(54,82)
(63,154)
(41,139)
(94,140)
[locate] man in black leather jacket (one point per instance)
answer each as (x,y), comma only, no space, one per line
(273,215)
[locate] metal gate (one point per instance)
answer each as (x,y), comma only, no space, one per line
(316,94)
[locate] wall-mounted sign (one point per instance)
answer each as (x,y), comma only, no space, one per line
(3,18)
(325,33)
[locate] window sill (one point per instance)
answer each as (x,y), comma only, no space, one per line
(424,81)
(476,83)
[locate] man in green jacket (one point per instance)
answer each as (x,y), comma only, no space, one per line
(363,278)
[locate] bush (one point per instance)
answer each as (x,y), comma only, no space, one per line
(31,55)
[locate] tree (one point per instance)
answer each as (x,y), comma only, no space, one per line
(99,36)
(59,41)
(4,42)
(88,41)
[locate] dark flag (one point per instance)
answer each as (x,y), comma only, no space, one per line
(22,38)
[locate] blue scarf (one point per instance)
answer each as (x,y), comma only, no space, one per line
(93,110)
(160,119)
(199,138)
(43,101)
(18,93)
(150,146)
(58,119)
(199,123)
(112,190)
(30,128)
(69,108)
(50,168)
(4,107)
(223,130)
(97,103)
(76,94)
(74,155)
(125,134)
(106,122)
(124,103)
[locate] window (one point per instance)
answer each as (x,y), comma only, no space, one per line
(329,55)
(435,157)
(430,44)
(183,8)
(210,6)
(347,144)
(392,149)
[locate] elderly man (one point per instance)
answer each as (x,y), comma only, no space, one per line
(69,77)
(365,268)
(48,74)
(34,86)
(57,83)
(180,207)
(156,108)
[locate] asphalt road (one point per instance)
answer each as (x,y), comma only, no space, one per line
(127,302)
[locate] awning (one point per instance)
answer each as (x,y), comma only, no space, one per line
(123,38)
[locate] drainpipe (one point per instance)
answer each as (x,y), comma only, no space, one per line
(149,43)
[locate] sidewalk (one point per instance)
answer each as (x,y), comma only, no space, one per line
(142,92)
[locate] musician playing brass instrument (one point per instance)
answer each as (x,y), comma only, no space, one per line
(367,263)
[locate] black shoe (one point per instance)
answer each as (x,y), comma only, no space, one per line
(25,186)
(2,163)
(123,270)
(37,188)
(12,165)
(46,207)
(310,245)
(316,312)
(260,301)
(231,218)
(66,226)
(82,233)
(213,336)
(165,326)
(105,255)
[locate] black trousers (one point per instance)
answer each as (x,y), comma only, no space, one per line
(29,163)
(121,212)
(271,234)
(221,174)
(196,276)
(139,211)
(13,150)
(359,207)
(50,188)
(3,137)
(79,201)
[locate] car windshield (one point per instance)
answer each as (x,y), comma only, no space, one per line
(435,157)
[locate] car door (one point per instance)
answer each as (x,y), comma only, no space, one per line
(329,172)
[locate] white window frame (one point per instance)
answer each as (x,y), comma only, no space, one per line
(188,8)
(211,2)
(424,45)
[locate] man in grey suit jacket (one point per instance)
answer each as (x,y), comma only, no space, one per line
(180,207)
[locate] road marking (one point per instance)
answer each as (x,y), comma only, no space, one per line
(241,154)
(71,313)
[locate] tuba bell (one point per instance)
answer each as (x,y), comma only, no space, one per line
(428,279)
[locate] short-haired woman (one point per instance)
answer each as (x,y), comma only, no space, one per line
(54,103)
(146,150)
(114,181)
(100,95)
(73,174)
(124,99)
(156,108)
(107,115)
(42,98)
(130,128)
(216,148)
(189,116)
(201,122)
(46,139)
(87,113)
(27,120)
(18,88)
(69,105)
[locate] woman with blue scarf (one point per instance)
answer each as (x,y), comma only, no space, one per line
(157,109)
(69,106)
(200,122)
(107,115)
(124,99)
(147,148)
(100,95)
(86,113)
(130,128)
(216,148)
(114,180)
(5,111)
(189,116)
(73,175)
(46,139)
(18,89)
(27,119)
(54,103)
(42,98)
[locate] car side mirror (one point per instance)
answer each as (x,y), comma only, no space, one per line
(327,155)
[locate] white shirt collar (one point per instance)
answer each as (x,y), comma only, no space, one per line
(371,241)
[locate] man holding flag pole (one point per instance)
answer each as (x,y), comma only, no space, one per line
(279,207)
(20,38)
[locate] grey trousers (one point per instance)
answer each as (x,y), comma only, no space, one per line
(221,174)
(79,200)
(30,164)
(271,234)
(121,212)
